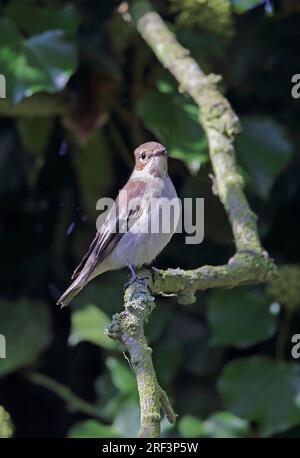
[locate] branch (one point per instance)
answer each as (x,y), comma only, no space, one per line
(218,119)
(251,264)
(241,269)
(128,328)
(64,392)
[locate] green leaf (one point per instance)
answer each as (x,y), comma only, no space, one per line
(6,427)
(263,151)
(88,324)
(240,317)
(26,328)
(263,390)
(174,120)
(35,133)
(127,422)
(35,19)
(219,425)
(242,6)
(190,426)
(92,429)
(122,377)
(43,62)
(225,425)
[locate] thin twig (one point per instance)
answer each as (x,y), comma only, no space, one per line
(64,392)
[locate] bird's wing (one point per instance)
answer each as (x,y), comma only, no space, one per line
(106,239)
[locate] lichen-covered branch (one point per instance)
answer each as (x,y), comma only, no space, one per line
(218,119)
(251,264)
(241,269)
(128,328)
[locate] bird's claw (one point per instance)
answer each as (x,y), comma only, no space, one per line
(133,280)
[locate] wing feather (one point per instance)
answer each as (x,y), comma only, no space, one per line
(106,239)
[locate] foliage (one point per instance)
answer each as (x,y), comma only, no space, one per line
(174,120)
(225,360)
(41,62)
(219,425)
(26,327)
(251,389)
(286,288)
(6,428)
(212,15)
(91,429)
(89,324)
(263,151)
(240,318)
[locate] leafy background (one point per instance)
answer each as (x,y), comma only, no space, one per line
(83,90)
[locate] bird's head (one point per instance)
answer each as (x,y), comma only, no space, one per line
(151,158)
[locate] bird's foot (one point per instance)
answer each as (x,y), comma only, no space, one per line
(134,278)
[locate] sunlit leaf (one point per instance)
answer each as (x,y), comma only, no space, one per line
(92,429)
(242,6)
(122,376)
(89,324)
(174,120)
(190,426)
(218,425)
(42,62)
(6,427)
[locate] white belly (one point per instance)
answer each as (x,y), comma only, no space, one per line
(138,248)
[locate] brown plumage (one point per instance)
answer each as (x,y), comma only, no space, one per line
(112,249)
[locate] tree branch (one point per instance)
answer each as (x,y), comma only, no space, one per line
(251,264)
(218,120)
(128,328)
(241,269)
(73,401)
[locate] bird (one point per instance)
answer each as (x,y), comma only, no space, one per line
(139,205)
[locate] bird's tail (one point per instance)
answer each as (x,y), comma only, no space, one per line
(71,292)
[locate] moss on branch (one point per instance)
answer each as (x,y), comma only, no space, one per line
(243,268)
(251,264)
(219,121)
(128,328)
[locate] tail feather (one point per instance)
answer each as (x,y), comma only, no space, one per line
(79,283)
(69,294)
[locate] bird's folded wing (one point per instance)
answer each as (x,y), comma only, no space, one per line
(124,213)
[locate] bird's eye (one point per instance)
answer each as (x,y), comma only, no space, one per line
(143,156)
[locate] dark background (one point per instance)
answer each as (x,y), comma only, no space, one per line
(225,360)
